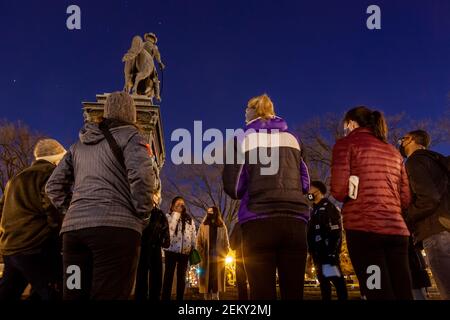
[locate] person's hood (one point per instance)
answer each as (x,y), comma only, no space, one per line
(275,123)
(90,133)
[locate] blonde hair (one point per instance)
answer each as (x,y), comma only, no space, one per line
(263,106)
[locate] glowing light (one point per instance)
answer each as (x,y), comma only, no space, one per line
(229,260)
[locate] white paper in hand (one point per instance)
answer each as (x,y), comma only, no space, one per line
(330,271)
(353,184)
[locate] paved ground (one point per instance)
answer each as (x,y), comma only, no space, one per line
(310,293)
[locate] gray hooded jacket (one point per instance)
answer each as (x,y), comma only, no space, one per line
(93,188)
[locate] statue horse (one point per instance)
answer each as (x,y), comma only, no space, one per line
(139,66)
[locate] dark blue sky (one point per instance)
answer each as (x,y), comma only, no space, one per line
(309,56)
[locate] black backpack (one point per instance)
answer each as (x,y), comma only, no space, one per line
(443,210)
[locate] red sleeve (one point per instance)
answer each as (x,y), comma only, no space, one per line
(340,170)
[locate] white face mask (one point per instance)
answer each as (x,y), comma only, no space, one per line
(349,128)
(347,131)
(250,114)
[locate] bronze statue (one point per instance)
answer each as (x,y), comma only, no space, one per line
(141,76)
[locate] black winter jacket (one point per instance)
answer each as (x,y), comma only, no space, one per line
(325,233)
(28,218)
(428,181)
(156,234)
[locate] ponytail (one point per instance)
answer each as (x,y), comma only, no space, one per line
(378,125)
(367,118)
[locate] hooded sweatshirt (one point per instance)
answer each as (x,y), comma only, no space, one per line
(94,189)
(269,195)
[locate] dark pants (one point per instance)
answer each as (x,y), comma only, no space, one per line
(107,258)
(174,260)
(437,248)
(273,244)
(241,277)
(390,254)
(40,268)
(325,285)
(149,288)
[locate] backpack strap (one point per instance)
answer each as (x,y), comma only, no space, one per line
(116,150)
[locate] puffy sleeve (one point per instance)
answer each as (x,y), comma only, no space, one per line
(340,170)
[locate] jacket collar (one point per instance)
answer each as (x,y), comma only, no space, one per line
(275,123)
(42,162)
(320,204)
(360,130)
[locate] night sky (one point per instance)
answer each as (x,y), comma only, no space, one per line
(311,57)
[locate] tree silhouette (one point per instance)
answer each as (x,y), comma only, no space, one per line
(16,149)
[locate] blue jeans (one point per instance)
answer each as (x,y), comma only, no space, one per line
(437,248)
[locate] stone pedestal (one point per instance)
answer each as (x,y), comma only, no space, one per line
(148,120)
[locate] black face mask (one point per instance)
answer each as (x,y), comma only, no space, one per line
(401,148)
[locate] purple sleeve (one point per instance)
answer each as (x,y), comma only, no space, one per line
(304,176)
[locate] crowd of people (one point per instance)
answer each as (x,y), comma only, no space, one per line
(86,224)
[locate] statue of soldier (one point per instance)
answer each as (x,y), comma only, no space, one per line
(150,46)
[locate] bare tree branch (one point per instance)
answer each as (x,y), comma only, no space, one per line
(16,149)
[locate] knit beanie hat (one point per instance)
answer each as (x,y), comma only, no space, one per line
(120,106)
(50,150)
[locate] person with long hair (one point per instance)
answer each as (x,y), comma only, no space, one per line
(213,246)
(182,242)
(369,177)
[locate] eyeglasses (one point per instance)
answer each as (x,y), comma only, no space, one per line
(400,141)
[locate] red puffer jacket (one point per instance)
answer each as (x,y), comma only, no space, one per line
(383,184)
